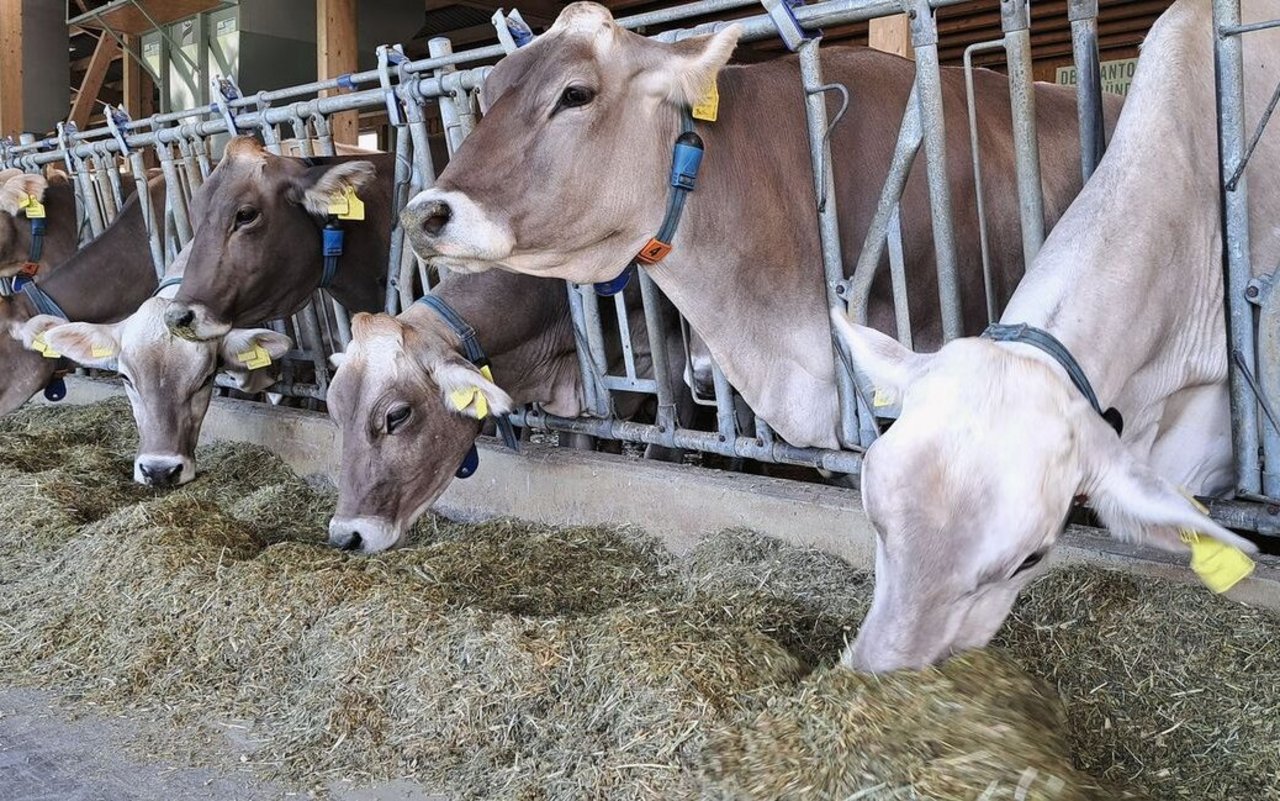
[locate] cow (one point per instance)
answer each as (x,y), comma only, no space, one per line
(567,174)
(403,435)
(20,245)
(102,282)
(168,380)
(256,252)
(969,488)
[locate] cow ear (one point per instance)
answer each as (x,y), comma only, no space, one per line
(1136,503)
(469,392)
(883,366)
(91,344)
(25,331)
(253,348)
(16,190)
(316,187)
(689,67)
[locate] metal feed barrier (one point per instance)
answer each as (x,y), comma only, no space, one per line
(185,143)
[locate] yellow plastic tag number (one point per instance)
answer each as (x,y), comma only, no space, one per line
(100,352)
(881,399)
(462,399)
(34,208)
(256,358)
(708,106)
(43,348)
(346,205)
(1219,566)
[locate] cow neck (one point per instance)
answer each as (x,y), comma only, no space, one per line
(108,278)
(1137,297)
(61,224)
(363,263)
(526,339)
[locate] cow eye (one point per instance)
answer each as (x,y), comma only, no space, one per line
(1030,562)
(396,417)
(574,96)
(245,215)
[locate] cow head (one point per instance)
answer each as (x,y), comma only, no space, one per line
(169,380)
(256,252)
(17,188)
(409,406)
(567,172)
(969,490)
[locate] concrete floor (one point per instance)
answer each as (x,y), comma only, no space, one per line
(48,755)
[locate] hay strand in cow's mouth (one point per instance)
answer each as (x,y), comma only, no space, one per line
(506,660)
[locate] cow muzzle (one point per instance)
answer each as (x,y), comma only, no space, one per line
(163,471)
(363,534)
(193,322)
(451,230)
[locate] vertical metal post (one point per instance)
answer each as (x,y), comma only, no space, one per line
(1229,77)
(87,190)
(1015,19)
(590,387)
(108,172)
(173,189)
(924,40)
(1084,47)
(403,168)
(155,236)
(454,129)
(655,322)
(815,97)
(987,282)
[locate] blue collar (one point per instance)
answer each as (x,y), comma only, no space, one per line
(476,355)
(331,239)
(41,300)
(686,158)
(1039,338)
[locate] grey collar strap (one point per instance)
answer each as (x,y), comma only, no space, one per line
(41,300)
(166,283)
(1039,338)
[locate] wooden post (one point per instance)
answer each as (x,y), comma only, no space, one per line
(139,89)
(10,67)
(335,55)
(103,54)
(890,34)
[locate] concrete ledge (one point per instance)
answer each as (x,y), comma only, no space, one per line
(678,503)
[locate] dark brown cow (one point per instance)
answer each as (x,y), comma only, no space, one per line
(566,176)
(257,251)
(102,282)
(60,235)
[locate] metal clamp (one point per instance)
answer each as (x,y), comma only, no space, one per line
(224,90)
(117,121)
(388,55)
(513,32)
(784,19)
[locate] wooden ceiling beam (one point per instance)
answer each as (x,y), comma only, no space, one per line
(103,54)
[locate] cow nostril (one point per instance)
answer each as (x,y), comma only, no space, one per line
(179,317)
(354,543)
(172,473)
(161,475)
(437,218)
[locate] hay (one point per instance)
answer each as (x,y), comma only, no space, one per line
(513,661)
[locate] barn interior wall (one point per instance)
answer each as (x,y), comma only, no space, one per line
(277,43)
(46,62)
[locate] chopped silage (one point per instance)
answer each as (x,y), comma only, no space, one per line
(513,661)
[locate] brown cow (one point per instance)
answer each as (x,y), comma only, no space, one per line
(566,176)
(17,188)
(256,253)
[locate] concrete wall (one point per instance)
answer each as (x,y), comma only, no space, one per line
(46,65)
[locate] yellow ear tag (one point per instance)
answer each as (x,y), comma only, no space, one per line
(708,106)
(881,399)
(461,399)
(40,346)
(346,206)
(486,372)
(253,359)
(35,209)
(1219,566)
(99,352)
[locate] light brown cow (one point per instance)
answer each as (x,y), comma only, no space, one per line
(17,189)
(566,176)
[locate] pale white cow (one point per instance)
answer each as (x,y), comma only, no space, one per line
(169,380)
(969,488)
